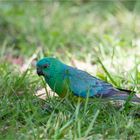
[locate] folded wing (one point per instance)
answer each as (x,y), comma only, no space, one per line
(83,84)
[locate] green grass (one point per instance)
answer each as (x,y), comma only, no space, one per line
(74,31)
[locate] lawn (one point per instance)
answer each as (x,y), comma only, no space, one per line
(79,33)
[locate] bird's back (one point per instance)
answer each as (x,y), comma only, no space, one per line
(84,84)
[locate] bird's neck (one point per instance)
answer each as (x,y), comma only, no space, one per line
(56,80)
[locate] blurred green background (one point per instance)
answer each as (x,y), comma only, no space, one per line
(78,32)
(68,26)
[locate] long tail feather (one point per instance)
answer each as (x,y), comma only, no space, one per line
(125,95)
(120,96)
(126,91)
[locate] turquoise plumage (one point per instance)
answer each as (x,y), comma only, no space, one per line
(65,79)
(83,84)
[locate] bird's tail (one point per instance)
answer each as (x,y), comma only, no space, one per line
(127,95)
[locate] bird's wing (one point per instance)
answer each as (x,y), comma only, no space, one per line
(84,84)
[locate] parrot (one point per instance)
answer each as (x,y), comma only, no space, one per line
(64,79)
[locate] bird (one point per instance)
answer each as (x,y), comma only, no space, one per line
(64,79)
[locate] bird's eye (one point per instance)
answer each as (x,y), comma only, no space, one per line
(46,66)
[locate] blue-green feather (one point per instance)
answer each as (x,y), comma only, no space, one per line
(63,78)
(83,84)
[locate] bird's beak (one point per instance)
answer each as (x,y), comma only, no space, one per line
(39,72)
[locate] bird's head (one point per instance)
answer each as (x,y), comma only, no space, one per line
(48,66)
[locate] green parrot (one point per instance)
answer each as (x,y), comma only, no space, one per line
(64,79)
